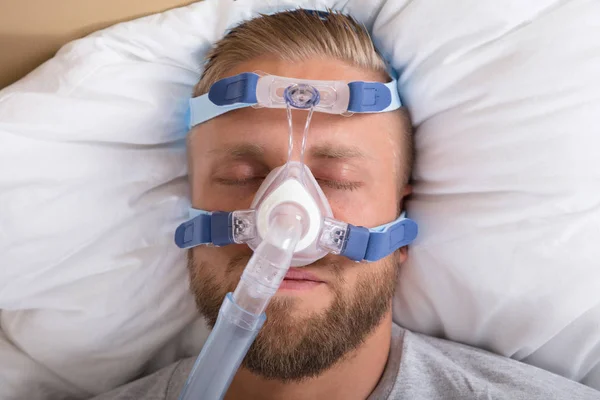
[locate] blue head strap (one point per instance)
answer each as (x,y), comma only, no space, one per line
(240,91)
(361,244)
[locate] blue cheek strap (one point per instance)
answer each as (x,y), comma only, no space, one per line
(205,227)
(376,243)
(361,244)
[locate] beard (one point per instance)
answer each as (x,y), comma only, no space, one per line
(291,348)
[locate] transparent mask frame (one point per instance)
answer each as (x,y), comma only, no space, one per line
(330,241)
(331,234)
(334,95)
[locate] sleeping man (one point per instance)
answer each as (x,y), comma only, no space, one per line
(329,332)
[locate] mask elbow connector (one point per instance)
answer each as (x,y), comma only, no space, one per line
(271,259)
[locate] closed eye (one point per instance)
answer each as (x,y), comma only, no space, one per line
(239,182)
(324,183)
(339,185)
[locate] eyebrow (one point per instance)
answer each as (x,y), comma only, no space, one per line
(330,151)
(241,150)
(323,151)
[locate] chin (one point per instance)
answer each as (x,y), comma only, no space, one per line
(313,300)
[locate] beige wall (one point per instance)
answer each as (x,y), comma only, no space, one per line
(31,31)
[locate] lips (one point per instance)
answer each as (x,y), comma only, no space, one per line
(297,280)
(294,274)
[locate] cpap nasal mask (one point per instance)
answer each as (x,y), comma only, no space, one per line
(293,184)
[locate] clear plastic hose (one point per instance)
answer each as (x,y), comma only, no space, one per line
(242,313)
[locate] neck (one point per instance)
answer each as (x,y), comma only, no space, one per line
(363,367)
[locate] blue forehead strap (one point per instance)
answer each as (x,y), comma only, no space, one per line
(239,91)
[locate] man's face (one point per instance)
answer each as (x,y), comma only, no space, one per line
(309,327)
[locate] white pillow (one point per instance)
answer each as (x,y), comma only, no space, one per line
(93,184)
(93,290)
(506,97)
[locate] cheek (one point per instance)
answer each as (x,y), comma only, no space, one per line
(213,199)
(224,263)
(372,206)
(356,276)
(207,261)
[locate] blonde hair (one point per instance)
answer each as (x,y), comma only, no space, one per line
(293,36)
(296,36)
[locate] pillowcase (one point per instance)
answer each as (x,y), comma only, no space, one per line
(505,98)
(93,290)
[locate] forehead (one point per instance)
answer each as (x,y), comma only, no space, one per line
(268,128)
(313,68)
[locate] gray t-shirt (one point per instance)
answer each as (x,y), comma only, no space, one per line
(419,367)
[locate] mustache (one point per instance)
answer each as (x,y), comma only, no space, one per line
(330,263)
